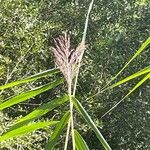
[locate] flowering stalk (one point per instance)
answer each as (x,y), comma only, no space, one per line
(67,59)
(69,62)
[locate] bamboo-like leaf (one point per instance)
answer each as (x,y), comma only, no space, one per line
(40,111)
(58,130)
(26,129)
(138,52)
(29,94)
(137,74)
(79,141)
(138,84)
(90,122)
(30,78)
(131,91)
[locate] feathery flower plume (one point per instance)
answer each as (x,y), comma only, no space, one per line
(66,58)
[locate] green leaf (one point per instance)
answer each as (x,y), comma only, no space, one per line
(143,46)
(26,129)
(29,94)
(138,52)
(30,78)
(137,74)
(58,130)
(138,84)
(90,122)
(80,143)
(132,90)
(40,111)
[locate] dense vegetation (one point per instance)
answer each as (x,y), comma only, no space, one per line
(116,30)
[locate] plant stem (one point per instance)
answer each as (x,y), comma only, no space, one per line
(71,113)
(67,135)
(71,122)
(76,78)
(72,125)
(82,44)
(86,21)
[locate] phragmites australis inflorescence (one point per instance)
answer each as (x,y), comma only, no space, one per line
(67,58)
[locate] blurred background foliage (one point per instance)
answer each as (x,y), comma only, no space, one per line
(116,30)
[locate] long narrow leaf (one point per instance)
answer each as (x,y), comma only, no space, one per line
(29,94)
(90,122)
(40,111)
(138,84)
(137,74)
(138,52)
(80,143)
(26,129)
(58,130)
(30,78)
(131,91)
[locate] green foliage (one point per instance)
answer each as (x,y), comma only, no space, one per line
(25,129)
(29,94)
(22,126)
(29,79)
(142,48)
(40,111)
(137,74)
(89,121)
(80,143)
(27,141)
(116,29)
(58,130)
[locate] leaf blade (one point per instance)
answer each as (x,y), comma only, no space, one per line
(90,122)
(132,90)
(138,84)
(138,52)
(30,78)
(79,141)
(40,111)
(26,129)
(137,74)
(58,130)
(29,94)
